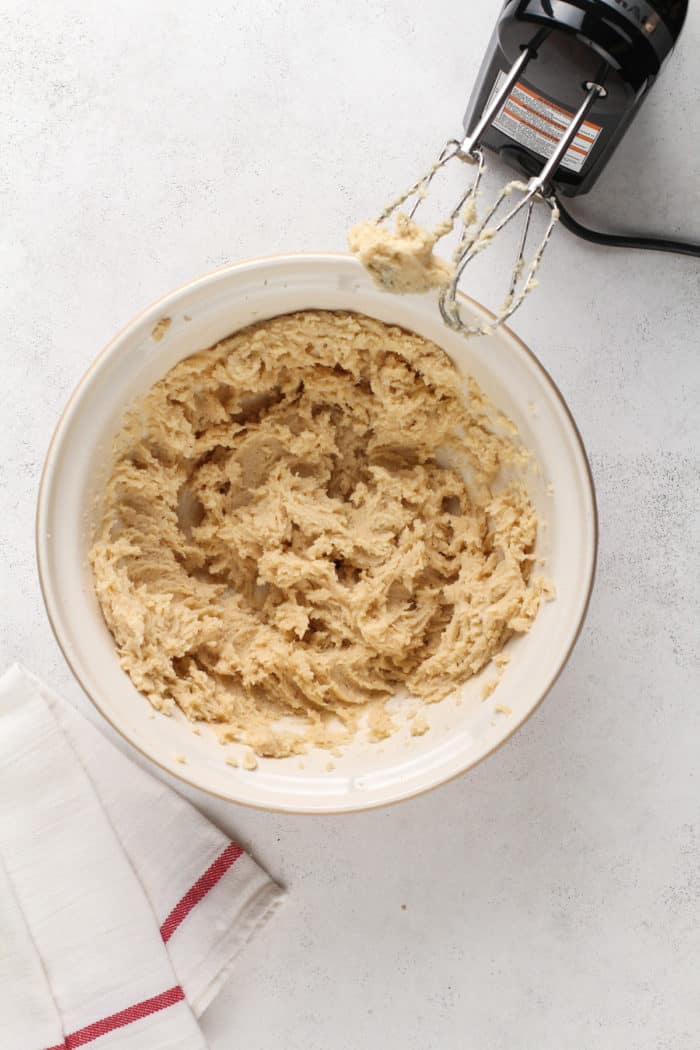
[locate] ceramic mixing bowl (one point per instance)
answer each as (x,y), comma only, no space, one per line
(463,728)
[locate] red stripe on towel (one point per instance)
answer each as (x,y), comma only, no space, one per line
(214,873)
(122,1018)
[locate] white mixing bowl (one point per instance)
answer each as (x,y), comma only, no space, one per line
(463,728)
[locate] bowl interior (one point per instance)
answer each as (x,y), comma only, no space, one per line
(463,728)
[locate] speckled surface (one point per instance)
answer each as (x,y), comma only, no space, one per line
(552,897)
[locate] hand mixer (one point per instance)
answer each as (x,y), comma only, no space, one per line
(558,88)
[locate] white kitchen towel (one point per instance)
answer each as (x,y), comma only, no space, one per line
(121,907)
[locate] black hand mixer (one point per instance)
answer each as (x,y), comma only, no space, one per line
(559,86)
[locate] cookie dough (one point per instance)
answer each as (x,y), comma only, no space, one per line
(401,259)
(305,518)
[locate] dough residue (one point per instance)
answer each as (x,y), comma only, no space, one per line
(419,726)
(488,688)
(161,328)
(401,259)
(305,518)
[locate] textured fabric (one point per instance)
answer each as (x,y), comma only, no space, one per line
(121,907)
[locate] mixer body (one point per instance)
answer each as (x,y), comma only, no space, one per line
(619,44)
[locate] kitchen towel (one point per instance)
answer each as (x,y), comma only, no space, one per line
(121,907)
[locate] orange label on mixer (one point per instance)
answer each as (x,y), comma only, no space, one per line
(537,123)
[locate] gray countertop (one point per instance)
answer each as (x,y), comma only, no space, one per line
(551,898)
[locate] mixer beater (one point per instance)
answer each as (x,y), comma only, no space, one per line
(558,88)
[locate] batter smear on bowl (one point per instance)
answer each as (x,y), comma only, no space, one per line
(305,518)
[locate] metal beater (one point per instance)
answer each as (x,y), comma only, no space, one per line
(586,57)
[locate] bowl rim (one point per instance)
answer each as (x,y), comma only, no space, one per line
(43,575)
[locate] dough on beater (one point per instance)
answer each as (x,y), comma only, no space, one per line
(401,260)
(303,519)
